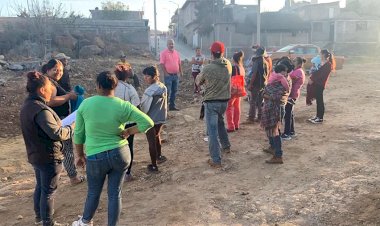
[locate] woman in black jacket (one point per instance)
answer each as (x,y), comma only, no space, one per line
(43,135)
(60,103)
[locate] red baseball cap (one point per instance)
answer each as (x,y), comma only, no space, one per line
(217,47)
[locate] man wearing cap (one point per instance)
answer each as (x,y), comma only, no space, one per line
(64,82)
(215,77)
(171,66)
(257,84)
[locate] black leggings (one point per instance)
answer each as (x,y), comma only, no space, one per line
(320,103)
(130,145)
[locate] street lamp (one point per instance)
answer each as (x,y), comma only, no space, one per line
(155,30)
(258,24)
(177,18)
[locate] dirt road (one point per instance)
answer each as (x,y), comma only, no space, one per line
(331,174)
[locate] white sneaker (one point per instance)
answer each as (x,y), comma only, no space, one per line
(312,119)
(81,223)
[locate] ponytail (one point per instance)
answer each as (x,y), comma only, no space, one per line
(330,57)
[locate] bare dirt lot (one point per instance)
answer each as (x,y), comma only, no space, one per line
(331,174)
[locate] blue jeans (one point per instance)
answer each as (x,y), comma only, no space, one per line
(171,83)
(47,177)
(214,114)
(113,163)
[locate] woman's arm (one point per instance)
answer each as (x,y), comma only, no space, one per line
(146,102)
(47,122)
(79,139)
(143,121)
(56,101)
(134,97)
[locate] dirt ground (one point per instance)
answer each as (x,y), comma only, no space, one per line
(331,173)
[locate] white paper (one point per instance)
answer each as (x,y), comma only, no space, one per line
(69,119)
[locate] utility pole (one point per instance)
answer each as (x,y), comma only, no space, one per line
(177,30)
(258,25)
(155,30)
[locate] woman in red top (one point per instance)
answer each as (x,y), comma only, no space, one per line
(233,106)
(319,80)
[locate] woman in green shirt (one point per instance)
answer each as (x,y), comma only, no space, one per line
(100,122)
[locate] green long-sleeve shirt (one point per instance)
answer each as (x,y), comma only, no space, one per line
(100,120)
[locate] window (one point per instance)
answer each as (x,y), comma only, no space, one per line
(298,50)
(317,27)
(331,13)
(361,26)
(311,51)
(286,48)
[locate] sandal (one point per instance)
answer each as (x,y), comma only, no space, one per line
(81,179)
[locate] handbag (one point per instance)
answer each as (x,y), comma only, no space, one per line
(237,84)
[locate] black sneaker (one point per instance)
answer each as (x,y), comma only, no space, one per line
(161,159)
(152,168)
(173,109)
(286,137)
(293,134)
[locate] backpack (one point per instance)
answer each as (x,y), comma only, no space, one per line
(237,84)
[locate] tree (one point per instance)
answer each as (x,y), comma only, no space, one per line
(207,12)
(115,6)
(42,19)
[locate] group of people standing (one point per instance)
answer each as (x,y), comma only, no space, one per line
(273,95)
(102,133)
(106,123)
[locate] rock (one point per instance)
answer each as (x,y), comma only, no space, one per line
(189,118)
(3,209)
(89,51)
(99,42)
(15,67)
(244,193)
(19,217)
(232,215)
(267,177)
(65,41)
(3,63)
(2,57)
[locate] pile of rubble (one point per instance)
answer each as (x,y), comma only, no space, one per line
(21,66)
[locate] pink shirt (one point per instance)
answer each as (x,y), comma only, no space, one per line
(170,60)
(277,77)
(298,78)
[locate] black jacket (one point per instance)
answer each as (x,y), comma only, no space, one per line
(42,131)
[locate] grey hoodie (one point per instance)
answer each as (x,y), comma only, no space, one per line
(216,78)
(154,102)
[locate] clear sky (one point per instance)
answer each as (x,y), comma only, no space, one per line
(165,8)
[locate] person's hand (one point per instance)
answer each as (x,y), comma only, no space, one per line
(125,134)
(311,82)
(266,96)
(80,161)
(73,95)
(72,125)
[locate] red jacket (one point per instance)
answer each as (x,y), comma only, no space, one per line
(321,76)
